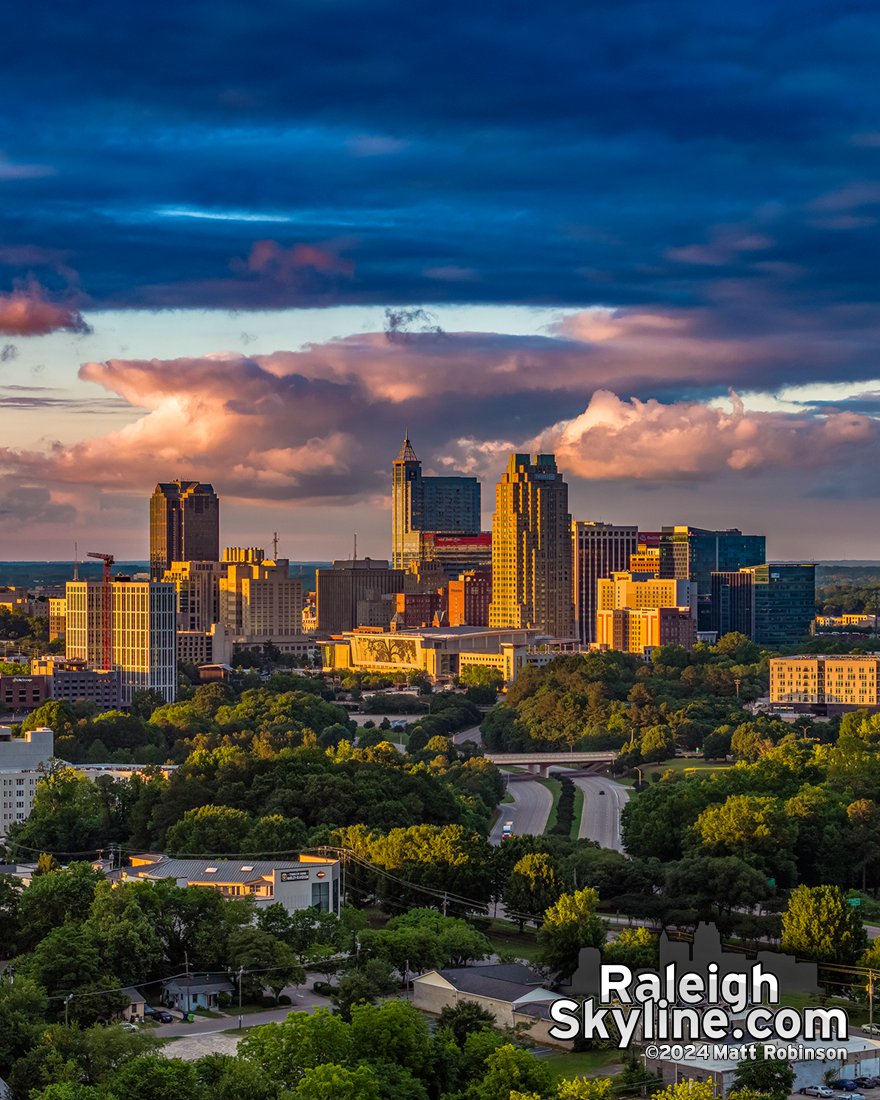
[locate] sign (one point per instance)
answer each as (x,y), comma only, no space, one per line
(294,876)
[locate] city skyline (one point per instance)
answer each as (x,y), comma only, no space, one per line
(657,263)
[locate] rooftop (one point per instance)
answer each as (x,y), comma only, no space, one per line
(213,870)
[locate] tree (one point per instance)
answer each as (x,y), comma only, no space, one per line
(209,830)
(154,1077)
(275,835)
(687,1090)
(391,1032)
(55,898)
(66,817)
(864,822)
(568,926)
(818,923)
(361,985)
(22,1012)
(510,1069)
(533,886)
(286,1050)
(265,960)
(585,1088)
(332,1082)
(54,714)
(636,948)
(463,1019)
(770,1077)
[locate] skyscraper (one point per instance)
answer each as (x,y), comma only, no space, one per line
(599,549)
(531,548)
(351,594)
(140,617)
(773,604)
(450,505)
(184,524)
(693,554)
(259,598)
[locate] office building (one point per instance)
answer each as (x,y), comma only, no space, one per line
(184,525)
(639,630)
(197,592)
(624,590)
(22,764)
(531,549)
(457,553)
(691,553)
(21,693)
(351,592)
(72,681)
(773,604)
(645,562)
(57,618)
(128,626)
(826,684)
(449,505)
(205,647)
(418,609)
(469,597)
(259,598)
(599,549)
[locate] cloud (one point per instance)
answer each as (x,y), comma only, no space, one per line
(287,264)
(28,311)
(651,441)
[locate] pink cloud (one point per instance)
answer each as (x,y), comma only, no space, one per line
(27,311)
(286,264)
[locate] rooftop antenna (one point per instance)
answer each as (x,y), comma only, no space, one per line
(275,546)
(76,561)
(355,554)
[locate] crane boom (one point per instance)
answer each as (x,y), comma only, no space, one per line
(106,609)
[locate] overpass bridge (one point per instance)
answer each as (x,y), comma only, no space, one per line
(541,762)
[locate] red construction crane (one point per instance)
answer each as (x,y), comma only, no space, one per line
(106,610)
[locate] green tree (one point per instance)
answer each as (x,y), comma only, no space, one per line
(332,1082)
(285,1051)
(66,817)
(770,1077)
(22,1015)
(265,962)
(55,898)
(568,926)
(391,1032)
(464,1018)
(275,835)
(818,923)
(209,830)
(54,714)
(636,948)
(533,886)
(154,1077)
(510,1069)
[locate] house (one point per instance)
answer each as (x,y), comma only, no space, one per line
(198,991)
(513,993)
(309,882)
(137,1002)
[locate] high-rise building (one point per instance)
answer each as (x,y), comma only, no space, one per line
(197,585)
(259,598)
(599,549)
(624,590)
(350,594)
(773,604)
(57,618)
(184,524)
(469,598)
(450,505)
(694,554)
(457,553)
(531,548)
(23,763)
(141,619)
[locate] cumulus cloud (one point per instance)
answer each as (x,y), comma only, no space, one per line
(651,441)
(28,311)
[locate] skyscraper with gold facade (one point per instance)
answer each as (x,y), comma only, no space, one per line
(531,548)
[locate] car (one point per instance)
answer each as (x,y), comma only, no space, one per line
(601,790)
(872,1029)
(866,1082)
(853,1095)
(818,1090)
(164,1017)
(507,827)
(844,1086)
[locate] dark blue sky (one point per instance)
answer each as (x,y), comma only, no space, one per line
(706,173)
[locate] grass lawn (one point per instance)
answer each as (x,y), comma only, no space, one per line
(508,797)
(590,1063)
(578,813)
(555,788)
(505,939)
(857,1013)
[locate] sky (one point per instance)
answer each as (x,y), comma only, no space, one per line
(256,244)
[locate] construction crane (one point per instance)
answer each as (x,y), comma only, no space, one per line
(106,610)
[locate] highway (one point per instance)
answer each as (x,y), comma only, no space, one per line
(600,820)
(472,733)
(528,812)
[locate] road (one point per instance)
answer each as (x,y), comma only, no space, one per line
(600,820)
(304,1000)
(472,733)
(529,810)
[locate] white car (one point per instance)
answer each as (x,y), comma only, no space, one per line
(818,1090)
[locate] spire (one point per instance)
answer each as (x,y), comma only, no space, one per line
(406,453)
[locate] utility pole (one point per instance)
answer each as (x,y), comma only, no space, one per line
(444,903)
(67,1001)
(870,999)
(186,962)
(240,976)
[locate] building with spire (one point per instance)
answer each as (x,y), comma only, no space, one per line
(532,549)
(427,505)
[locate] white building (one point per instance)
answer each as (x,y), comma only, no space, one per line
(21,762)
(142,644)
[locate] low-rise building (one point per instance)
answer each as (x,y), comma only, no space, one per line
(23,692)
(72,681)
(640,630)
(198,991)
(513,993)
(309,882)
